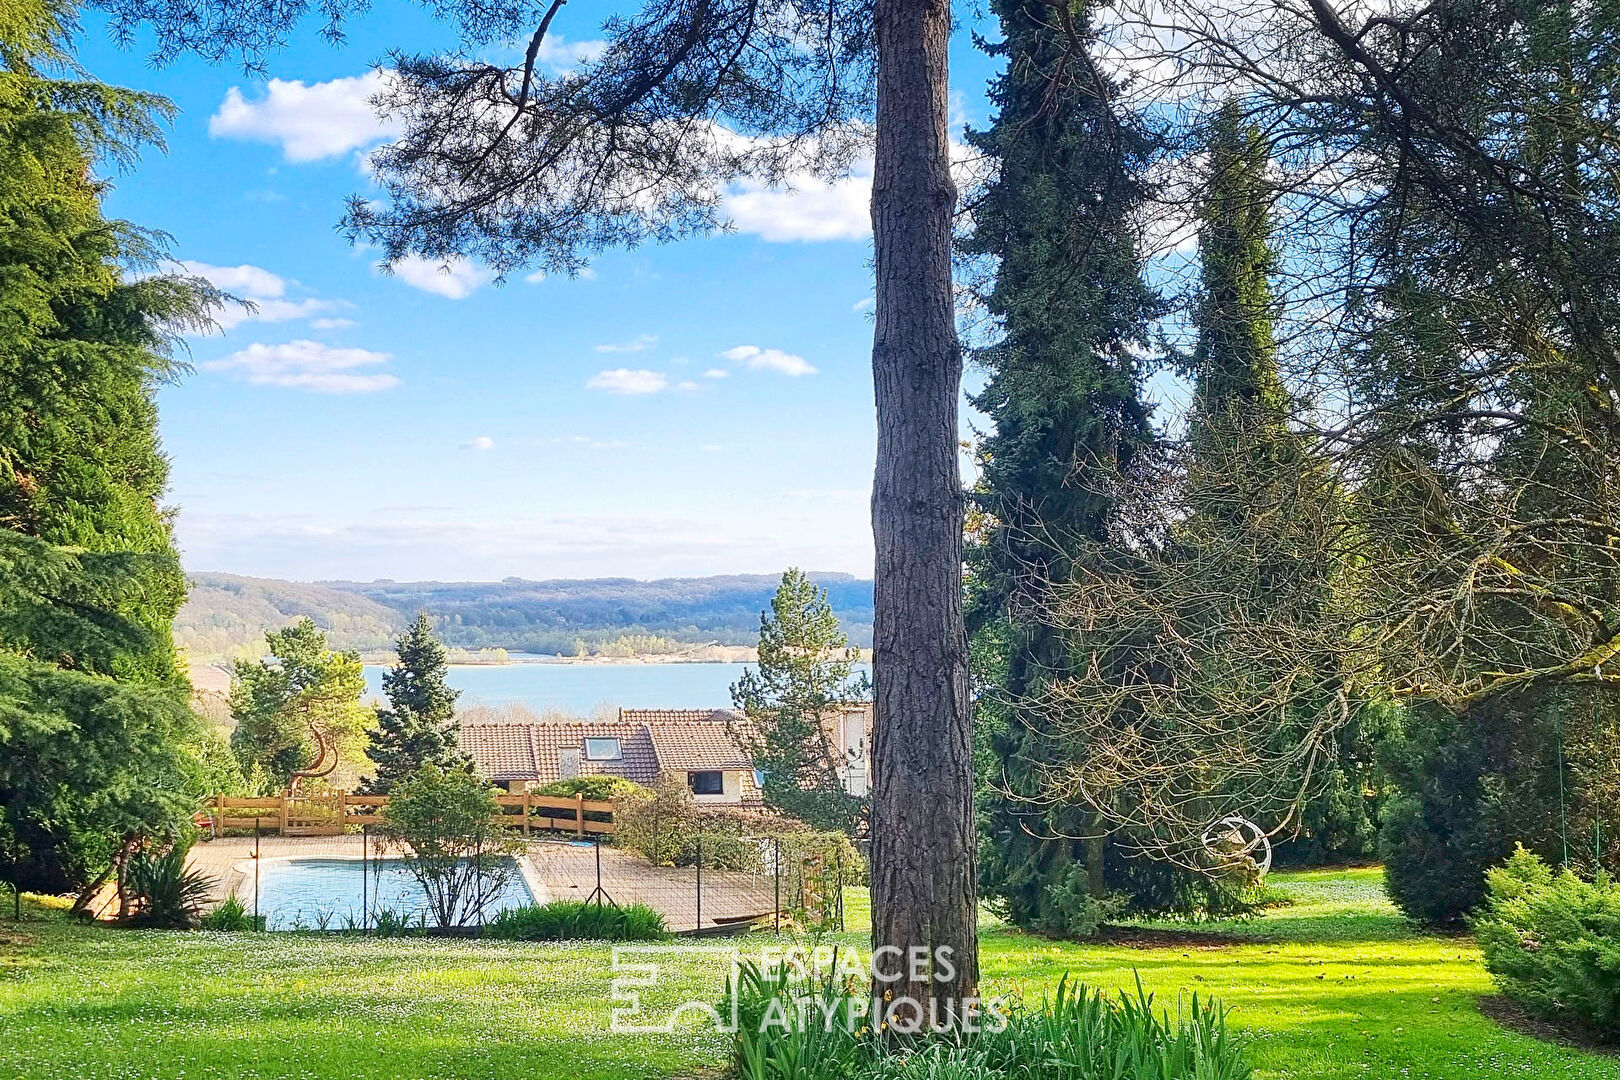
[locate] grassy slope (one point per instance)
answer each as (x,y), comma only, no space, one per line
(1335,986)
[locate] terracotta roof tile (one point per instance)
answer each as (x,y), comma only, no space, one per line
(701,744)
(502,752)
(676,716)
(495,749)
(651,741)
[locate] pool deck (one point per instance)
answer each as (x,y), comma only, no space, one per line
(552,870)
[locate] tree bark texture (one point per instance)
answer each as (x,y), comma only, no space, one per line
(924,867)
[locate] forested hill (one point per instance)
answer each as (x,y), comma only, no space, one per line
(227,614)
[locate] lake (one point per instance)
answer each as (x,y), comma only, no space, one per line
(580,688)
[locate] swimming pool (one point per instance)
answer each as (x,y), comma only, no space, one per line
(313,894)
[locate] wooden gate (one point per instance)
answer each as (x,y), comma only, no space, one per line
(316,814)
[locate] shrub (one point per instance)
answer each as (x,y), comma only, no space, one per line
(1070,910)
(166,894)
(565,920)
(1044,885)
(1472,786)
(445,823)
(1438,841)
(232,915)
(1552,941)
(665,825)
(1080,1034)
(593,787)
(658,823)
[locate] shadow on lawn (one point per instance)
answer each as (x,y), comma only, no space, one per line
(1510,1014)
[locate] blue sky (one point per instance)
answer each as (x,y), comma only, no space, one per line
(700,408)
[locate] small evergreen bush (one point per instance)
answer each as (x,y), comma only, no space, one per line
(1552,941)
(566,920)
(232,915)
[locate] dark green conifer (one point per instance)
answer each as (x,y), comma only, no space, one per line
(1071,435)
(1257,498)
(419,725)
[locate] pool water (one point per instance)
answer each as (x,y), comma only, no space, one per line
(314,894)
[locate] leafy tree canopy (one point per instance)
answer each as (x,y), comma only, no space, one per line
(299,712)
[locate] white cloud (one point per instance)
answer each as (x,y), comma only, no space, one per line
(333,324)
(864,305)
(584,440)
(456,277)
(265,290)
(716,373)
(560,54)
(628,381)
(535,278)
(769,360)
(481,442)
(638,344)
(807,209)
(273,311)
(306,365)
(687,384)
(310,121)
(253,282)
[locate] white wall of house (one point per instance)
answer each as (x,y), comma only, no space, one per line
(852,744)
(731,787)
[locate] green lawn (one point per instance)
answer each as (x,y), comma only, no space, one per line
(1334,986)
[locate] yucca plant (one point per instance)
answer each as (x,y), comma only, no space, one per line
(810,1027)
(778,1040)
(167,895)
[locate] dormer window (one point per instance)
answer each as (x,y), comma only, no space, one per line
(603,750)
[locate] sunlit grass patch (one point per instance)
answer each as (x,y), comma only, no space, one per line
(1336,985)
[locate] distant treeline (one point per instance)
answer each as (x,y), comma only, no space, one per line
(226,615)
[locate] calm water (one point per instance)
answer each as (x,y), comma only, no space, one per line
(300,892)
(580,688)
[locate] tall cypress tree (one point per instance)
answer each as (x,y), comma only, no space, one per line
(1070,430)
(1257,495)
(1238,388)
(419,725)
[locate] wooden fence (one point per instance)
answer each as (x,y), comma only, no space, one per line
(331,813)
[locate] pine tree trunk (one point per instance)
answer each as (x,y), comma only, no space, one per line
(924,869)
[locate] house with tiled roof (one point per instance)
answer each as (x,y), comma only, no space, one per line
(697,746)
